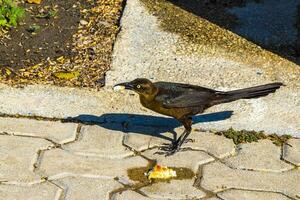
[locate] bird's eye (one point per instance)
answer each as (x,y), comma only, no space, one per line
(138,86)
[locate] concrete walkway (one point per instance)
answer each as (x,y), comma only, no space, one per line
(55,160)
(109,140)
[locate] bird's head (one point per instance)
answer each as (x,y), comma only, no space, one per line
(142,86)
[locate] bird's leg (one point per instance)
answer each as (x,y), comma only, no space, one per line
(183,137)
(169,147)
(175,146)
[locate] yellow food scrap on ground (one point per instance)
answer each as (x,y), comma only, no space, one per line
(67,75)
(34,1)
(161,172)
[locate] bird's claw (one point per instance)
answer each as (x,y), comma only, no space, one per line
(188,140)
(168,146)
(168,149)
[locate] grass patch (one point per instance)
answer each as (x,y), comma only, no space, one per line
(10,13)
(245,136)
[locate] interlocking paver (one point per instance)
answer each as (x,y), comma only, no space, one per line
(98,141)
(217,177)
(131,195)
(57,163)
(187,159)
(79,188)
(211,143)
(156,135)
(55,131)
(138,142)
(43,191)
(251,195)
(291,151)
(262,155)
(176,189)
(17,158)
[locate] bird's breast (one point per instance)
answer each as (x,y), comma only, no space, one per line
(159,108)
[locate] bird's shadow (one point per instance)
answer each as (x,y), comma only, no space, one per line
(144,124)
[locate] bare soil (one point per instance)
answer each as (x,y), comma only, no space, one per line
(53,37)
(64,43)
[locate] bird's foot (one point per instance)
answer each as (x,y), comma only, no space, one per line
(174,144)
(169,149)
(188,140)
(168,146)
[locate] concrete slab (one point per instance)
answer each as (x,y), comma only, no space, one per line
(78,188)
(56,131)
(187,159)
(18,156)
(43,191)
(213,144)
(291,151)
(129,194)
(218,177)
(250,195)
(176,189)
(261,156)
(166,56)
(261,23)
(57,163)
(97,141)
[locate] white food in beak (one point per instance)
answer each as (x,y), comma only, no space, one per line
(119,88)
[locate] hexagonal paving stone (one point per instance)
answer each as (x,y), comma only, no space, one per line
(43,191)
(291,151)
(98,141)
(78,188)
(217,177)
(55,131)
(214,144)
(153,136)
(187,159)
(262,155)
(129,194)
(57,163)
(138,142)
(176,189)
(17,157)
(250,195)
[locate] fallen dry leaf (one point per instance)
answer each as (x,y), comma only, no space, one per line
(67,75)
(34,1)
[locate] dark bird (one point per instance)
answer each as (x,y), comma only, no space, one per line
(182,101)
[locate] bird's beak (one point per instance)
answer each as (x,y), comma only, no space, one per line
(123,86)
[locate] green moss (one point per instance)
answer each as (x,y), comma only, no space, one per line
(10,13)
(245,136)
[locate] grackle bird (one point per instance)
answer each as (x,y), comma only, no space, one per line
(182,101)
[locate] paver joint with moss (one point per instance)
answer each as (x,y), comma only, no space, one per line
(245,136)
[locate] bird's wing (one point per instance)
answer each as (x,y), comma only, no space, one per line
(177,95)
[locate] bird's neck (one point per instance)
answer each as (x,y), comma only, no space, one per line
(150,96)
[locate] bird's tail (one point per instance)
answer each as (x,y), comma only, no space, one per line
(247,93)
